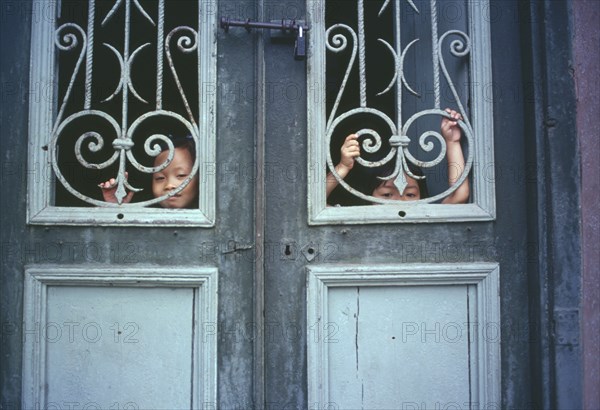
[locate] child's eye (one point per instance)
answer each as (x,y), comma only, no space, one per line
(182,175)
(387,195)
(159,178)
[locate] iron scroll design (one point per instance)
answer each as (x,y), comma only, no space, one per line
(339,38)
(72,37)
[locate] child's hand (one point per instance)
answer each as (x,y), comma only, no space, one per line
(109,188)
(350,150)
(450,129)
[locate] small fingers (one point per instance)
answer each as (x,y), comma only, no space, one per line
(350,140)
(352,154)
(111,183)
(453,120)
(351,149)
(108,184)
(454,114)
(351,144)
(129,197)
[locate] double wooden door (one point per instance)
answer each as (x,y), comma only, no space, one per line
(261,304)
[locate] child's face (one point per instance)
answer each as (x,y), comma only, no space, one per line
(172,176)
(387,190)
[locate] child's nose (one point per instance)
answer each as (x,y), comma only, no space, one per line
(171,184)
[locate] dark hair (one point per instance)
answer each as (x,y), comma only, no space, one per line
(186,142)
(389,169)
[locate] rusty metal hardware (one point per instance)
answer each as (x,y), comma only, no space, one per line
(289,28)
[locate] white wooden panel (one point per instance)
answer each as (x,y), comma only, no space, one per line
(164,358)
(398,346)
(120,345)
(403,336)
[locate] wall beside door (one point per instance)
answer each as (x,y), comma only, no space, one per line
(586,19)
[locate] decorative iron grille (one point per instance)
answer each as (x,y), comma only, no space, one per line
(127,78)
(343,42)
(129,46)
(339,37)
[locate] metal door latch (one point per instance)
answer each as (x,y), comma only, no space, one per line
(300,47)
(289,29)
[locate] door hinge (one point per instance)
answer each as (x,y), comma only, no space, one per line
(288,29)
(566,327)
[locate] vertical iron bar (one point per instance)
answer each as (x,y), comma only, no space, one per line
(159,54)
(90,55)
(121,193)
(435,53)
(125,74)
(398,38)
(361,53)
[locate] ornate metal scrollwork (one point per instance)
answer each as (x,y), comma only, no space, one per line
(339,37)
(71,37)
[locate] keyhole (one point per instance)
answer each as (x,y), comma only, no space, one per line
(288,250)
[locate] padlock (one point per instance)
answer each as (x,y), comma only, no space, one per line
(300,48)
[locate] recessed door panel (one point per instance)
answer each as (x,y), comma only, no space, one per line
(126,346)
(398,345)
